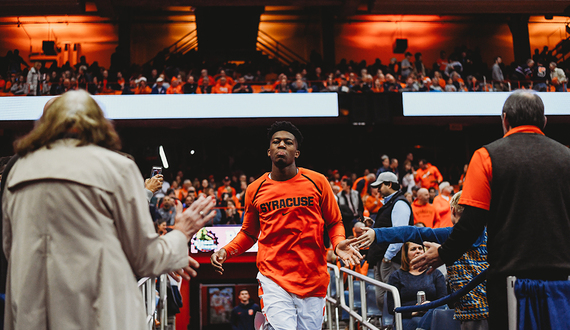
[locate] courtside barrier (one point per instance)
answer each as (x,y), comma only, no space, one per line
(332,300)
(154,312)
(362,317)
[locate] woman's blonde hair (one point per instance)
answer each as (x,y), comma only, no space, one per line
(75,114)
(405,259)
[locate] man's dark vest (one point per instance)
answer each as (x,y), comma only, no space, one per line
(384,219)
(529,224)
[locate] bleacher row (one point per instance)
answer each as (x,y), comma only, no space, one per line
(262,87)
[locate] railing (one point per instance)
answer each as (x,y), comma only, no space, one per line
(362,318)
(148,291)
(183,45)
(277,50)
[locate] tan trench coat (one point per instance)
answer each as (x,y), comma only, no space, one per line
(77,230)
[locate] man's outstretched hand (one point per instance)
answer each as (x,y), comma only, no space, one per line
(347,253)
(429,260)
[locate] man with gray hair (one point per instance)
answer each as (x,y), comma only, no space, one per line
(508,191)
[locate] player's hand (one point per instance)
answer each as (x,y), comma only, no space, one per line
(154,184)
(195,217)
(217,259)
(347,252)
(429,259)
(187,271)
(368,237)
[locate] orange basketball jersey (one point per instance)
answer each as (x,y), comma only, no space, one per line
(288,219)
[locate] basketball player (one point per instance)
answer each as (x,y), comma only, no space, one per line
(286,212)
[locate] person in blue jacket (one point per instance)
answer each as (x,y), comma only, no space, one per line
(243,315)
(471,309)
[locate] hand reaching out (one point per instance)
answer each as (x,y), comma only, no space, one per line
(195,217)
(429,259)
(347,252)
(366,239)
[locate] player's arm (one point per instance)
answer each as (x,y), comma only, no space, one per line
(245,238)
(403,234)
(476,198)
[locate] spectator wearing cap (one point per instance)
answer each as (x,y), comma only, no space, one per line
(395,212)
(222,189)
(442,206)
(159,87)
(142,87)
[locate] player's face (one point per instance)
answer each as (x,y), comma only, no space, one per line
(283,149)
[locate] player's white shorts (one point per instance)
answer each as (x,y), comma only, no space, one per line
(287,311)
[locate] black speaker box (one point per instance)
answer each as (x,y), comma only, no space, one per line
(48,47)
(400,46)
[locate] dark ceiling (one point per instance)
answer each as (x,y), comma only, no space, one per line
(111,8)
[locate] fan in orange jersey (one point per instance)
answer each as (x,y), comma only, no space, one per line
(286,212)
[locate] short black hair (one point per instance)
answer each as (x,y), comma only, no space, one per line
(524,107)
(347,180)
(288,127)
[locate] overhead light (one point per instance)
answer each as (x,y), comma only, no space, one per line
(163,157)
(568,28)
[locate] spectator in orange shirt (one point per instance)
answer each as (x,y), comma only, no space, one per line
(378,86)
(423,211)
(204,74)
(175,87)
(227,181)
(142,87)
(361,184)
(185,190)
(441,204)
(222,87)
(221,75)
(204,87)
(373,202)
(428,175)
(283,86)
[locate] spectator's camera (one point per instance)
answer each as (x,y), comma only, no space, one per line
(155,170)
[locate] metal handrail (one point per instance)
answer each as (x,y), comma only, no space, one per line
(277,49)
(148,291)
(330,301)
(350,308)
(299,58)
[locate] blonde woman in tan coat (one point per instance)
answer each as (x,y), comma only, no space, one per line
(76,226)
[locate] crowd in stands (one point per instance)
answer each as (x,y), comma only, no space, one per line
(463,70)
(422,183)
